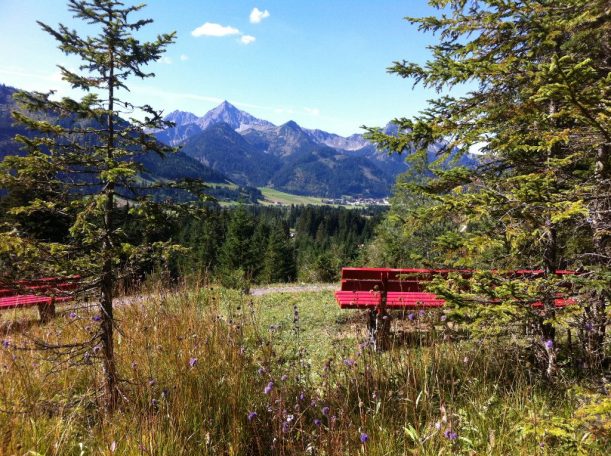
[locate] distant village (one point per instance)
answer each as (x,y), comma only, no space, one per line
(356,201)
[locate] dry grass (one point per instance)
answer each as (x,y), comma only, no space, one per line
(194,365)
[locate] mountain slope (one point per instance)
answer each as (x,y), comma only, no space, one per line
(283,141)
(324,172)
(171,167)
(223,149)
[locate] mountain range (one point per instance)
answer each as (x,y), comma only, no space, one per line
(255,152)
(233,148)
(155,169)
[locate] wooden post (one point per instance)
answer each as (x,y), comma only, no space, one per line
(371,326)
(382,318)
(46,311)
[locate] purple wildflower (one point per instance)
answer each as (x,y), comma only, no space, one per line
(261,371)
(6,343)
(134,364)
(325,411)
(152,382)
(364,437)
(443,318)
(411,316)
(154,403)
(97,318)
(251,416)
(421,313)
(349,362)
(284,378)
(450,434)
(165,393)
(285,427)
(588,326)
(96,349)
(72,315)
(317,422)
(268,388)
(549,344)
(192,362)
(301,396)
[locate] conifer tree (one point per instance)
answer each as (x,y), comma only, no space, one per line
(279,263)
(236,255)
(538,110)
(90,158)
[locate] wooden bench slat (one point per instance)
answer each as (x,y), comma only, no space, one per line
(24,301)
(405,288)
(44,293)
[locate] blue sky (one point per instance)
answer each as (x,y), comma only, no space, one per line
(321,63)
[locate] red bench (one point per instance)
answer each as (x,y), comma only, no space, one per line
(382,289)
(43,293)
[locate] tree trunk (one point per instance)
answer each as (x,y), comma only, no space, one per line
(550,265)
(548,331)
(107,282)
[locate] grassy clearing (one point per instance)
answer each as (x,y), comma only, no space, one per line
(216,372)
(273,197)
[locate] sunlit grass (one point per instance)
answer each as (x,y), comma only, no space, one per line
(197,364)
(273,196)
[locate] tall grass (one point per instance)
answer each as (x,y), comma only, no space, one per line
(209,372)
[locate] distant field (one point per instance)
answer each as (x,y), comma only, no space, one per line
(273,196)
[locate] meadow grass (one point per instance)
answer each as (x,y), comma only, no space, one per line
(273,196)
(212,371)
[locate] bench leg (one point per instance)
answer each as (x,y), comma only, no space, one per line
(382,336)
(46,312)
(378,326)
(371,327)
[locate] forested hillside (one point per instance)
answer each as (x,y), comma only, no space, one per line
(249,245)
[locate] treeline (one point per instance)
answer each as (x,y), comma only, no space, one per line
(237,246)
(257,244)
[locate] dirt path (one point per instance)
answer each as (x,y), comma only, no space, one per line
(260,291)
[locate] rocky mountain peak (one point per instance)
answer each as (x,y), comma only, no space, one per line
(181,117)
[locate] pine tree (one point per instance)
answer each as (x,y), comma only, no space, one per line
(538,109)
(279,264)
(90,158)
(236,254)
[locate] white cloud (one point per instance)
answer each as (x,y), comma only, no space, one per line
(184,57)
(166,60)
(212,29)
(247,39)
(256,15)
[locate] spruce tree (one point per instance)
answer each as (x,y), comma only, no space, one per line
(538,110)
(279,263)
(90,158)
(236,259)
